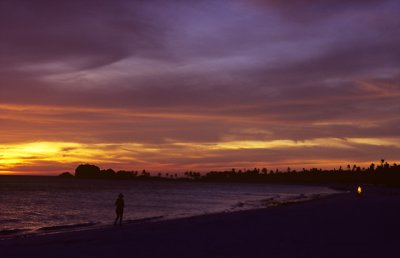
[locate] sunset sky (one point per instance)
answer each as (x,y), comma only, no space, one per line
(198,85)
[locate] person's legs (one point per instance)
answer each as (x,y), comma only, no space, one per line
(120,218)
(116,219)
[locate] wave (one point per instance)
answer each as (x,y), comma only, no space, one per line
(18,232)
(14,231)
(143,219)
(65,227)
(274,201)
(25,232)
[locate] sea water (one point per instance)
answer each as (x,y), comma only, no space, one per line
(42,205)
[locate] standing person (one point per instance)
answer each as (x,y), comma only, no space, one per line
(119,209)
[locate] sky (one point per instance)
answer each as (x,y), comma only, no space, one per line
(198,85)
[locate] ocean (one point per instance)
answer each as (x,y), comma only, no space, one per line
(41,205)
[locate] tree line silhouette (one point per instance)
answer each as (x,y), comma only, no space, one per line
(382,173)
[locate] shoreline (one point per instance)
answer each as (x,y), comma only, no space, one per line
(241,206)
(342,225)
(129,224)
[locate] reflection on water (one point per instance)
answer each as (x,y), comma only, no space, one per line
(43,204)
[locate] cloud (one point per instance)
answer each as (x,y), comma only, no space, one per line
(220,72)
(309,11)
(82,34)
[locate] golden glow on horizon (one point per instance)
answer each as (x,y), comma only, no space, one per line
(167,154)
(60,152)
(28,153)
(37,153)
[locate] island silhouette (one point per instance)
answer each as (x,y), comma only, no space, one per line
(383,173)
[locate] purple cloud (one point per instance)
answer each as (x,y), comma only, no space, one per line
(156,72)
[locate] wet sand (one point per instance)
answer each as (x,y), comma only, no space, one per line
(343,225)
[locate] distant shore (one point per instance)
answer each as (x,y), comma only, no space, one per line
(382,174)
(343,225)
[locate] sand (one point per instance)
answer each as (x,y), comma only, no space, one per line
(343,225)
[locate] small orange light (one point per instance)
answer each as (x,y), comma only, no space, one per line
(359,190)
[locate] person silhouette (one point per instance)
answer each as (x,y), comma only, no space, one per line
(119,209)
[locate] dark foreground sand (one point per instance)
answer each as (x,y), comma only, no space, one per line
(340,226)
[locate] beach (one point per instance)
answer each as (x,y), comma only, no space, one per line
(342,225)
